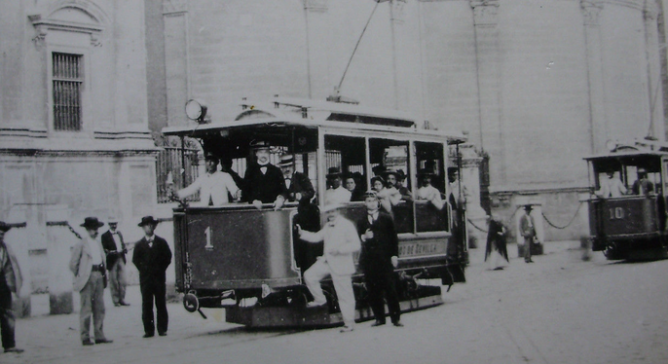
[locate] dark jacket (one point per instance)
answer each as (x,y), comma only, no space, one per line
(264,187)
(300,183)
(109,247)
(376,252)
(152,262)
(496,239)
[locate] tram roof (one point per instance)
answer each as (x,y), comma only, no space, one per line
(200,130)
(627,154)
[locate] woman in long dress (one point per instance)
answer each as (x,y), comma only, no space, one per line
(496,254)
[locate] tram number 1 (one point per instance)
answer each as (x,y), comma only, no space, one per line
(207,232)
(616,213)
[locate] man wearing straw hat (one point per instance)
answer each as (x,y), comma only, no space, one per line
(10,282)
(264,181)
(114,247)
(340,242)
(152,256)
(88,265)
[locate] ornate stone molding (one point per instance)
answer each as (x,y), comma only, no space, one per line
(591,9)
(42,28)
(174,7)
(316,6)
(484,12)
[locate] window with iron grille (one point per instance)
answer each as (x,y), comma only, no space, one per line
(67,88)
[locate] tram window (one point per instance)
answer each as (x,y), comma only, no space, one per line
(347,155)
(430,159)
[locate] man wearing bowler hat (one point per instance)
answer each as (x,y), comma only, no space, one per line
(114,248)
(264,181)
(88,265)
(10,282)
(152,256)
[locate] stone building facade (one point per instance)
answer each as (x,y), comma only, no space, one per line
(74,135)
(537,84)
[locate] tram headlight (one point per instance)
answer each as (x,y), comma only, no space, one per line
(196,110)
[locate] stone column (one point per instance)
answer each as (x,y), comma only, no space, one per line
(591,10)
(491,129)
(650,13)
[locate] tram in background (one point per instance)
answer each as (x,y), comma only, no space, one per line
(249,260)
(629,223)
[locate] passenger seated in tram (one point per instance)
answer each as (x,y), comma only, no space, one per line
(388,196)
(611,187)
(352,184)
(427,192)
(264,181)
(392,181)
(336,194)
(214,186)
(406,194)
(642,186)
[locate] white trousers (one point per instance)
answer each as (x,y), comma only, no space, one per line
(342,284)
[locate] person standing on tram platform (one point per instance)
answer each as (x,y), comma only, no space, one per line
(378,259)
(214,186)
(340,242)
(264,181)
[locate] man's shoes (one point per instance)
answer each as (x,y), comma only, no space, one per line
(116,304)
(123,303)
(103,341)
(314,304)
(347,328)
(398,324)
(14,350)
(162,334)
(528,261)
(87,343)
(147,335)
(378,323)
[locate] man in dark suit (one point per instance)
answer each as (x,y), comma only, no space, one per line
(114,248)
(379,257)
(152,256)
(264,181)
(642,186)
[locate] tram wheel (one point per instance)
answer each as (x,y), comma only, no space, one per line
(190,302)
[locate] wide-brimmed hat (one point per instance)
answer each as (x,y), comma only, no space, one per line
(4,227)
(286,160)
(260,144)
(401,175)
(371,193)
(148,220)
(377,178)
(112,220)
(391,172)
(528,207)
(210,156)
(333,172)
(92,223)
(642,170)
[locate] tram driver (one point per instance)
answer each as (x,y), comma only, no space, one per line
(611,187)
(214,186)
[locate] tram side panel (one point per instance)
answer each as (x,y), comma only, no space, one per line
(235,249)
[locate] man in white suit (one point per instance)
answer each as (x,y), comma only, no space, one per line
(214,185)
(341,241)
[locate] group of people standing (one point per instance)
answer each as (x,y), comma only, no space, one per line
(99,261)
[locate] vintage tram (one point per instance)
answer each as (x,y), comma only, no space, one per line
(249,260)
(627,208)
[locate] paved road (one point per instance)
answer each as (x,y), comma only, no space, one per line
(558,310)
